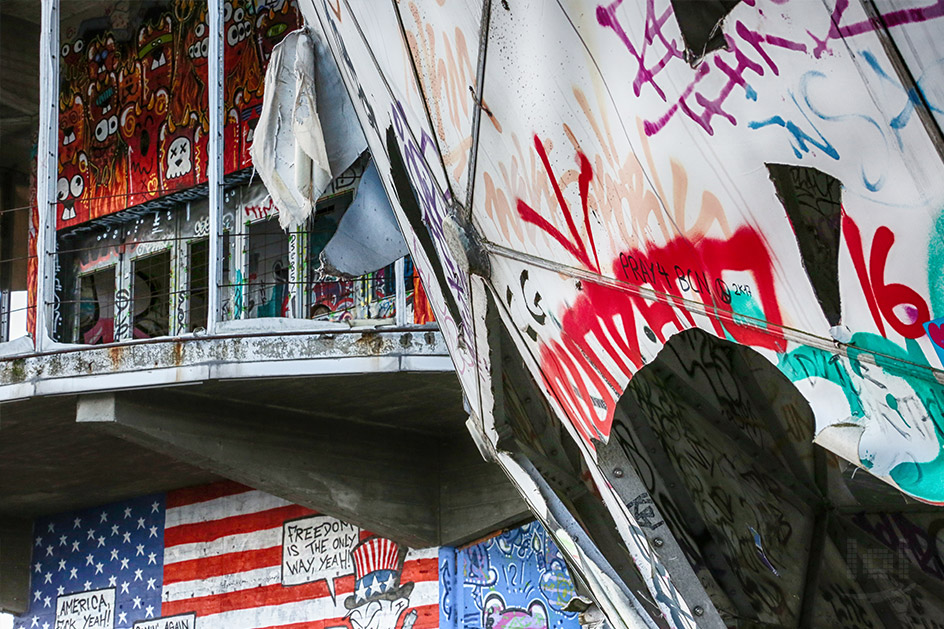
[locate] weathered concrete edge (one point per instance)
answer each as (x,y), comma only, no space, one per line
(189,361)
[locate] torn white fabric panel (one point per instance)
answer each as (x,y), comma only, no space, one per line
(288,150)
(368,237)
(344,138)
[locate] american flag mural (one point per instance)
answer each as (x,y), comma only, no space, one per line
(223,556)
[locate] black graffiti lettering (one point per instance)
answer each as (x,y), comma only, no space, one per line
(662,272)
(724,293)
(682,281)
(634,265)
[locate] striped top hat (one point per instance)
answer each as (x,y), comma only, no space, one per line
(378,563)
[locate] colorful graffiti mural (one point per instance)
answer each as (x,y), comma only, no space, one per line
(133,110)
(225,555)
(612,175)
(516,580)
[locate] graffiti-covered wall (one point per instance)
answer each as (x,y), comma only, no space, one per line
(133,104)
(516,580)
(224,556)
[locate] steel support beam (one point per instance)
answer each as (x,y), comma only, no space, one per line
(216,146)
(47,163)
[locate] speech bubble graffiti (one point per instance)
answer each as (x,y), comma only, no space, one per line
(92,609)
(315,548)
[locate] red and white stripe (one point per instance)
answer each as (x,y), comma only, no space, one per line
(374,554)
(223,558)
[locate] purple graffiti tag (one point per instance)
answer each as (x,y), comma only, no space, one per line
(748,51)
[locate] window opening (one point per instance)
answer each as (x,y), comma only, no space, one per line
(268,270)
(199,269)
(151,290)
(96,312)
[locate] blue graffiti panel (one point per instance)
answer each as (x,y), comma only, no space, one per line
(516,580)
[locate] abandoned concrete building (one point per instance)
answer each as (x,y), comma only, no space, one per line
(498,314)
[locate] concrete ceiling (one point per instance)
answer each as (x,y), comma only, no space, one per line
(49,464)
(386,451)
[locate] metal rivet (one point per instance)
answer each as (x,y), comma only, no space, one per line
(698,610)
(618,472)
(658,542)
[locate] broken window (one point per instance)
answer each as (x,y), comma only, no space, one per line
(700,23)
(199,265)
(268,270)
(96,312)
(813,202)
(151,290)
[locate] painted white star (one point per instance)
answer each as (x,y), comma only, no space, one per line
(126,536)
(140,550)
(91,533)
(361,591)
(62,540)
(101,541)
(98,568)
(75,546)
(122,618)
(155,507)
(48,578)
(127,512)
(52,527)
(89,559)
(87,585)
(39,567)
(39,541)
(137,575)
(47,601)
(104,517)
(60,590)
(153,532)
(150,584)
(49,550)
(374,585)
(114,530)
(112,581)
(77,523)
(37,595)
(390,582)
(150,611)
(114,554)
(73,573)
(62,565)
(35,622)
(124,587)
(45,625)
(140,523)
(124,563)
(152,558)
(137,602)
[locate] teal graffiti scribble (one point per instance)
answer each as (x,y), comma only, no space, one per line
(923,480)
(936,268)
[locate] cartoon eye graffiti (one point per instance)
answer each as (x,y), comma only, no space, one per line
(238,16)
(66,49)
(101,130)
(62,189)
(232,35)
(200,29)
(112,124)
(76,186)
(227,12)
(78,45)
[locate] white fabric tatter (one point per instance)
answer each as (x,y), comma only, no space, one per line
(288,150)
